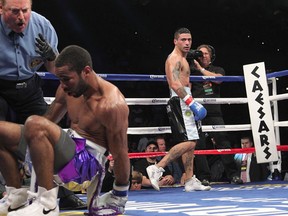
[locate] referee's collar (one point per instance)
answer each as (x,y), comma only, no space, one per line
(8,31)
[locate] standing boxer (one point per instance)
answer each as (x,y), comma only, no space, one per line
(183,111)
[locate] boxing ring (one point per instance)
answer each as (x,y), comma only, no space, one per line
(274,98)
(150,202)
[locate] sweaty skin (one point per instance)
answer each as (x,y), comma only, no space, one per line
(97,116)
(97,111)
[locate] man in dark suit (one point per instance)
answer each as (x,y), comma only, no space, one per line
(247,164)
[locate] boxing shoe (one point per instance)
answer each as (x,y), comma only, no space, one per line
(13,200)
(236,180)
(155,174)
(276,175)
(44,204)
(109,204)
(194,184)
(205,182)
(71,202)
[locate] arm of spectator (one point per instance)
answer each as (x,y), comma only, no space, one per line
(146,182)
(205,72)
(166,180)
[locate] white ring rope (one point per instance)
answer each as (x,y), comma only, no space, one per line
(205,128)
(163,101)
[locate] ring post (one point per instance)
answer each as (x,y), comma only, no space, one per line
(260,112)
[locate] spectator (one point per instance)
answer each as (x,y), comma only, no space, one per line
(203,66)
(133,146)
(250,170)
(109,176)
(142,143)
(136,183)
(141,165)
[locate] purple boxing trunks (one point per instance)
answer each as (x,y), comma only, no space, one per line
(82,167)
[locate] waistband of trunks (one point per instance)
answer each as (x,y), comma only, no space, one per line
(173,93)
(98,148)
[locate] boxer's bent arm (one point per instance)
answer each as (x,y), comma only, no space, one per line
(58,107)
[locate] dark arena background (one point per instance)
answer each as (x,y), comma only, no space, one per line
(135,37)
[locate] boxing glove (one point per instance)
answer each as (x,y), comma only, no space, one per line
(199,111)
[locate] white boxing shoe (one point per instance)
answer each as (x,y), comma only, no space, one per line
(109,204)
(13,200)
(194,184)
(154,174)
(45,204)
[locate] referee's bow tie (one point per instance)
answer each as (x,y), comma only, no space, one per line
(12,33)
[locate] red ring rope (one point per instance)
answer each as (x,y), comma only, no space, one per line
(201,152)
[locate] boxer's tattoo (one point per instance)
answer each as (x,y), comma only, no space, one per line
(176,76)
(176,71)
(174,154)
(181,92)
(189,159)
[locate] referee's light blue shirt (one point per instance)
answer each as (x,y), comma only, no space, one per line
(18,58)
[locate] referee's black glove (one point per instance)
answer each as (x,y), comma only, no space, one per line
(44,48)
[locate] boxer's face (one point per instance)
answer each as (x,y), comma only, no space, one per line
(70,81)
(183,42)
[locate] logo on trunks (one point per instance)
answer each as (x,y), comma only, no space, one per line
(188,113)
(157,76)
(168,108)
(158,101)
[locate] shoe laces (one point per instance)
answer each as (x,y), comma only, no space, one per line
(159,172)
(196,180)
(32,196)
